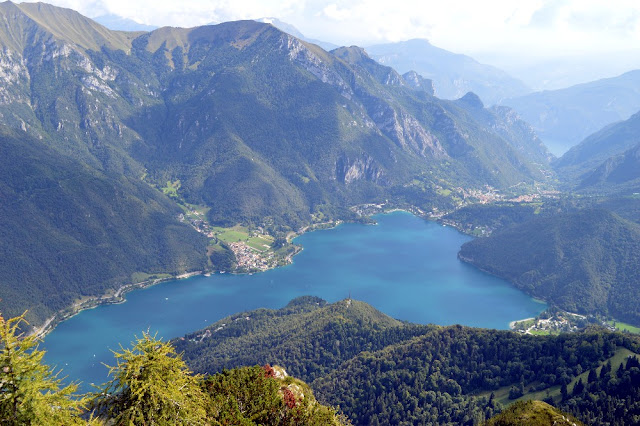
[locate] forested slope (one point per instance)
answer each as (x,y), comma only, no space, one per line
(586,261)
(70,232)
(380,371)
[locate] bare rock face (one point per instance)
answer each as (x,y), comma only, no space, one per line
(418,82)
(362,167)
(298,52)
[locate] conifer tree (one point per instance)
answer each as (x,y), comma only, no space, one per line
(151,385)
(30,392)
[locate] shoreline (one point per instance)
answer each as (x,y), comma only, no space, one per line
(512,324)
(107,299)
(118,296)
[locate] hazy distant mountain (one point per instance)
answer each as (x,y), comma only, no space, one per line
(290,29)
(556,73)
(564,117)
(508,124)
(118,23)
(603,146)
(453,74)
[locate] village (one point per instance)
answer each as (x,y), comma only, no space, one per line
(252,249)
(555,321)
(250,259)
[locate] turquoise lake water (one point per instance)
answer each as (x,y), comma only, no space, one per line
(405,266)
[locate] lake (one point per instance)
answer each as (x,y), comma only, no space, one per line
(404,266)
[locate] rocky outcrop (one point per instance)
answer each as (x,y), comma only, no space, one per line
(418,82)
(406,131)
(298,52)
(362,167)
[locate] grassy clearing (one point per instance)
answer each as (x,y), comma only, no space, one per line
(171,189)
(621,326)
(260,243)
(231,235)
(525,323)
(193,211)
(540,332)
(502,394)
(138,277)
(241,234)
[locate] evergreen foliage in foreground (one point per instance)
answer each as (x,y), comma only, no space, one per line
(150,385)
(265,396)
(30,392)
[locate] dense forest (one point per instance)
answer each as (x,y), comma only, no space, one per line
(308,336)
(70,232)
(610,396)
(587,261)
(381,371)
(444,375)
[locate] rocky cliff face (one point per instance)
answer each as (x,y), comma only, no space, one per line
(363,167)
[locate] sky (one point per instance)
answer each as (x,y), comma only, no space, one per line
(497,30)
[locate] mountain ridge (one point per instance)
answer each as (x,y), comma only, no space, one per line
(259,127)
(415,374)
(613,140)
(453,74)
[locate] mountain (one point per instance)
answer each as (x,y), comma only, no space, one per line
(508,124)
(604,146)
(70,232)
(618,171)
(118,23)
(26,24)
(291,30)
(257,126)
(382,371)
(453,74)
(339,332)
(564,117)
(586,261)
(254,122)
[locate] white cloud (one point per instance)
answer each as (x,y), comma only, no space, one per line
(534,27)
(333,12)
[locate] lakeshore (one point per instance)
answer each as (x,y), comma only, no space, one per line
(119,296)
(107,299)
(406,267)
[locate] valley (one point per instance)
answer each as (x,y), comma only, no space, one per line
(404,266)
(237,183)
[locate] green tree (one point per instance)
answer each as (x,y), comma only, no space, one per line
(151,385)
(256,396)
(30,392)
